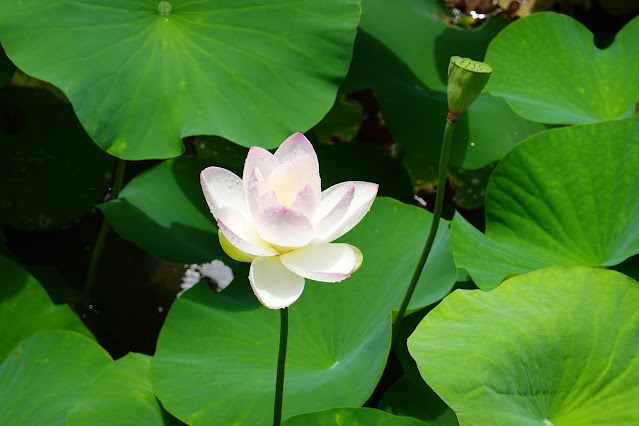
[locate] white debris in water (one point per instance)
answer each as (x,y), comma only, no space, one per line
(215,270)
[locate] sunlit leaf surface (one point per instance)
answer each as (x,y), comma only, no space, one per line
(556,346)
(121,394)
(568,196)
(548,69)
(25,308)
(142,74)
(47,374)
(339,333)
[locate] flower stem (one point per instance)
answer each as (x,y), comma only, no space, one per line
(281,362)
(104,231)
(437,213)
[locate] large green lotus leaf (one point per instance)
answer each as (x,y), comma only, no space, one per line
(339,333)
(402,52)
(351,417)
(121,395)
(548,69)
(143,74)
(163,211)
(567,196)
(46,375)
(557,346)
(50,171)
(25,308)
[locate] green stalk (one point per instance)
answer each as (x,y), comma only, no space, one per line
(281,362)
(118,179)
(437,213)
(104,231)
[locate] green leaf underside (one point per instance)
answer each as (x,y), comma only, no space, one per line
(351,417)
(402,52)
(25,308)
(46,375)
(140,81)
(556,346)
(563,197)
(42,148)
(339,333)
(121,394)
(565,82)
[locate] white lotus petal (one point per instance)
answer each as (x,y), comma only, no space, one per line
(325,262)
(296,146)
(363,198)
(285,181)
(283,226)
(232,251)
(274,285)
(268,199)
(253,188)
(306,202)
(240,232)
(308,174)
(221,189)
(260,158)
(335,202)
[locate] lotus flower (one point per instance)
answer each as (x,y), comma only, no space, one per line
(278,218)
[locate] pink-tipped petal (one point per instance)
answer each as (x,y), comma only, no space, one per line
(325,262)
(221,188)
(274,285)
(306,202)
(240,232)
(335,203)
(295,146)
(268,199)
(363,198)
(254,187)
(284,227)
(260,158)
(308,174)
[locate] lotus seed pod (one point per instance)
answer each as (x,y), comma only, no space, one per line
(466,80)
